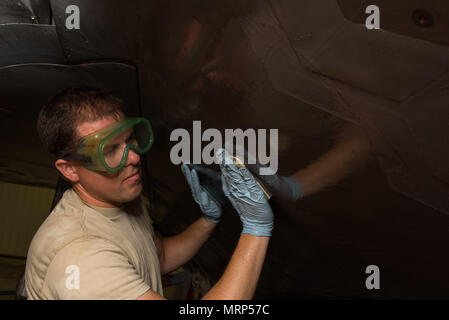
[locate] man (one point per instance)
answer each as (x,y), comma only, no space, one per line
(98,242)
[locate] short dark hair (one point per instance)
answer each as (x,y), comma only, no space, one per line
(59,118)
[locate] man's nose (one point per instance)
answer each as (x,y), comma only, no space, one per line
(133,158)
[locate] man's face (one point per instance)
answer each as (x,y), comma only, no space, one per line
(115,188)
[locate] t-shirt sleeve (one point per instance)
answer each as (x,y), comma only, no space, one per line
(93,269)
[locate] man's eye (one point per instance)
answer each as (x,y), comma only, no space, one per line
(131,138)
(110,150)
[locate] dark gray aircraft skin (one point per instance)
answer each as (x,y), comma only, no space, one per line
(306,67)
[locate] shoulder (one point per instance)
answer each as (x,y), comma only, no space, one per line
(87,253)
(63,226)
(93,268)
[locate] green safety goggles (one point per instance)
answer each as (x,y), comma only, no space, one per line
(106,150)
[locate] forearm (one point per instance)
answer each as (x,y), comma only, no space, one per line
(349,153)
(239,281)
(181,248)
(240,278)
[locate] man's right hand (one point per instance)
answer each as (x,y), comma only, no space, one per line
(247,198)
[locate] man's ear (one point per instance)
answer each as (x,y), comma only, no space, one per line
(68,170)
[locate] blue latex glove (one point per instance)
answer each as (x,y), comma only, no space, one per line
(286,187)
(210,180)
(247,199)
(209,206)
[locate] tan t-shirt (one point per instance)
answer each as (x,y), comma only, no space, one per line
(87,252)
